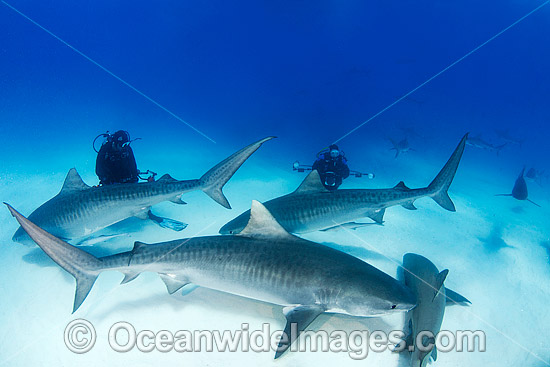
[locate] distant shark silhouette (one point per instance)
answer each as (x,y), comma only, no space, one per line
(401,146)
(520,189)
(508,137)
(478,142)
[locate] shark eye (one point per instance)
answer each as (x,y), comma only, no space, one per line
(393,307)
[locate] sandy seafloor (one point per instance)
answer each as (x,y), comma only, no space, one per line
(508,286)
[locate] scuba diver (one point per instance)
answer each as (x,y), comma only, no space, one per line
(116,164)
(332,167)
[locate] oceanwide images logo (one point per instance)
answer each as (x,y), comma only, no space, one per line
(80,337)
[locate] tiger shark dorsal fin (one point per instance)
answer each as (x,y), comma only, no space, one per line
(73,182)
(439,279)
(166,178)
(262,223)
(312,183)
(401,186)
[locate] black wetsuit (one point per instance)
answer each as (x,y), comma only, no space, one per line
(331,170)
(115,164)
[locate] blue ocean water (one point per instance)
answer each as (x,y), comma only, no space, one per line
(308,73)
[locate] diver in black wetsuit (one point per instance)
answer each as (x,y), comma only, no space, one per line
(116,164)
(332,167)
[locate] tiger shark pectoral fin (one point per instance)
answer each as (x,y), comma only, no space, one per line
(172,284)
(377,216)
(172,224)
(297,320)
(454,298)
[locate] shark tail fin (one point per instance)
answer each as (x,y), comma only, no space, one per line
(84,267)
(212,182)
(84,284)
(440,185)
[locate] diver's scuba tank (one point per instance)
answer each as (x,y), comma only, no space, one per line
(121,136)
(116,147)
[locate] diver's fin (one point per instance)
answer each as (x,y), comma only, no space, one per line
(297,320)
(212,182)
(172,224)
(377,216)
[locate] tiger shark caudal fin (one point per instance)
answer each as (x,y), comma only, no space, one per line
(84,267)
(444,178)
(213,181)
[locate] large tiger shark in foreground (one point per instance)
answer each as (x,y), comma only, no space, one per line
(264,262)
(312,207)
(80,210)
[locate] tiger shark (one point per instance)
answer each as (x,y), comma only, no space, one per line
(80,210)
(426,282)
(480,143)
(401,146)
(519,191)
(264,262)
(312,207)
